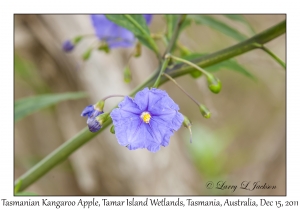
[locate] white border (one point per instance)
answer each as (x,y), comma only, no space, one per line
(8,8)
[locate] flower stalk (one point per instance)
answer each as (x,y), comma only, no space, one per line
(278,60)
(204,111)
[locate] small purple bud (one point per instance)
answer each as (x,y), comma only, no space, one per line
(91,113)
(93,124)
(68,46)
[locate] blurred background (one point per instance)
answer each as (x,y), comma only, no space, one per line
(245,139)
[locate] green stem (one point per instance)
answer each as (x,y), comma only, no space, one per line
(66,149)
(273,56)
(227,53)
(170,46)
(175,34)
(181,88)
(190,64)
(162,70)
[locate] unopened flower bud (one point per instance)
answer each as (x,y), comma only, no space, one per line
(112,129)
(100,105)
(104,47)
(204,111)
(214,83)
(77,39)
(102,118)
(91,113)
(138,50)
(127,75)
(68,46)
(87,54)
(187,123)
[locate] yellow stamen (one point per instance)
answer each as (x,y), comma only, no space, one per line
(146,117)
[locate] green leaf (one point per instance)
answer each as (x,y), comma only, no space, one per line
(241,19)
(138,26)
(25,193)
(26,106)
(228,64)
(219,26)
(27,73)
(237,18)
(231,65)
(17,186)
(171,23)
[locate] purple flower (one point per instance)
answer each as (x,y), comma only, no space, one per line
(147,121)
(114,35)
(91,113)
(68,46)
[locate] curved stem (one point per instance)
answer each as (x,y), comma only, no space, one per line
(66,149)
(112,96)
(190,64)
(273,56)
(181,88)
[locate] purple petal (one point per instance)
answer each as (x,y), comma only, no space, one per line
(87,111)
(171,121)
(141,99)
(102,26)
(92,123)
(114,35)
(120,37)
(126,128)
(148,18)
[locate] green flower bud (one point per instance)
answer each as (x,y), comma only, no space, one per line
(100,105)
(112,129)
(214,83)
(77,39)
(138,50)
(187,123)
(87,54)
(204,111)
(127,75)
(102,118)
(104,47)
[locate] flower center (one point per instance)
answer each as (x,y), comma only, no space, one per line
(146,117)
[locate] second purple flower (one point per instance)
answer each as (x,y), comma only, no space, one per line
(114,35)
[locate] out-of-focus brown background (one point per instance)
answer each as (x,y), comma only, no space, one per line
(245,139)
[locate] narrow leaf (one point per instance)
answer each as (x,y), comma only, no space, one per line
(228,64)
(138,26)
(171,23)
(26,106)
(241,19)
(17,186)
(231,65)
(219,26)
(25,194)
